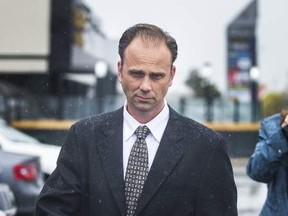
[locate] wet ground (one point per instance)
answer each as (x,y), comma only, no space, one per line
(251,194)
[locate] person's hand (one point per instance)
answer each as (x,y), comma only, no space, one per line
(284,121)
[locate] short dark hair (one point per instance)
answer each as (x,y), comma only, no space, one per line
(147,31)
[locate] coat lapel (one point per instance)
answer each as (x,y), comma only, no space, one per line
(168,154)
(110,149)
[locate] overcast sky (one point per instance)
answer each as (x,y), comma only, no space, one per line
(198,26)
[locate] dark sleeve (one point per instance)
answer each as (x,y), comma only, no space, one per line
(268,154)
(61,192)
(217,192)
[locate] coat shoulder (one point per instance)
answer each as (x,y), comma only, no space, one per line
(276,118)
(99,120)
(195,128)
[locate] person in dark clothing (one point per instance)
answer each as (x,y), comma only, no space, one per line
(143,159)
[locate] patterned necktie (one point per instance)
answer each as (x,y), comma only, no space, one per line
(137,170)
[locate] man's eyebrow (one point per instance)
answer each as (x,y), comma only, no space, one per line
(157,72)
(141,71)
(135,71)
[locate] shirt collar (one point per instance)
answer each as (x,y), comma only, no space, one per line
(157,125)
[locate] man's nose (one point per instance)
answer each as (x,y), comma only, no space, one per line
(145,84)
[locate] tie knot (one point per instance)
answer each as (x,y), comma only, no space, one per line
(142,132)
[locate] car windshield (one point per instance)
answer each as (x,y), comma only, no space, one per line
(15,135)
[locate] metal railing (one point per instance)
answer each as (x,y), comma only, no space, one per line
(76,107)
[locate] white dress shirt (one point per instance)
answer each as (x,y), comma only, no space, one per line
(156,126)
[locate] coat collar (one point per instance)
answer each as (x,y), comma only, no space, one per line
(110,148)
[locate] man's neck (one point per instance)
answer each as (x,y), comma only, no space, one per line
(144,116)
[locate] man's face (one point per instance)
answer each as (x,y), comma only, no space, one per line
(145,75)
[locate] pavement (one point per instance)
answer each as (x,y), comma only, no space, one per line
(251,194)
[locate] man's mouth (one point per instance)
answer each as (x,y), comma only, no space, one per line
(143,98)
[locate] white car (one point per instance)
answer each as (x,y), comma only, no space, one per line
(7,201)
(13,140)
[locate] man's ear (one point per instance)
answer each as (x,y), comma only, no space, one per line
(172,74)
(120,68)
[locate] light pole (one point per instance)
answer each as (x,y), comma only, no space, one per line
(254,76)
(100,70)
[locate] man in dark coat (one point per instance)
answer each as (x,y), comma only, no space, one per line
(186,170)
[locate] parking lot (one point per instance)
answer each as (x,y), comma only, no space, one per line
(251,194)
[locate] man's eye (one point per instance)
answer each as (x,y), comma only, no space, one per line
(156,76)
